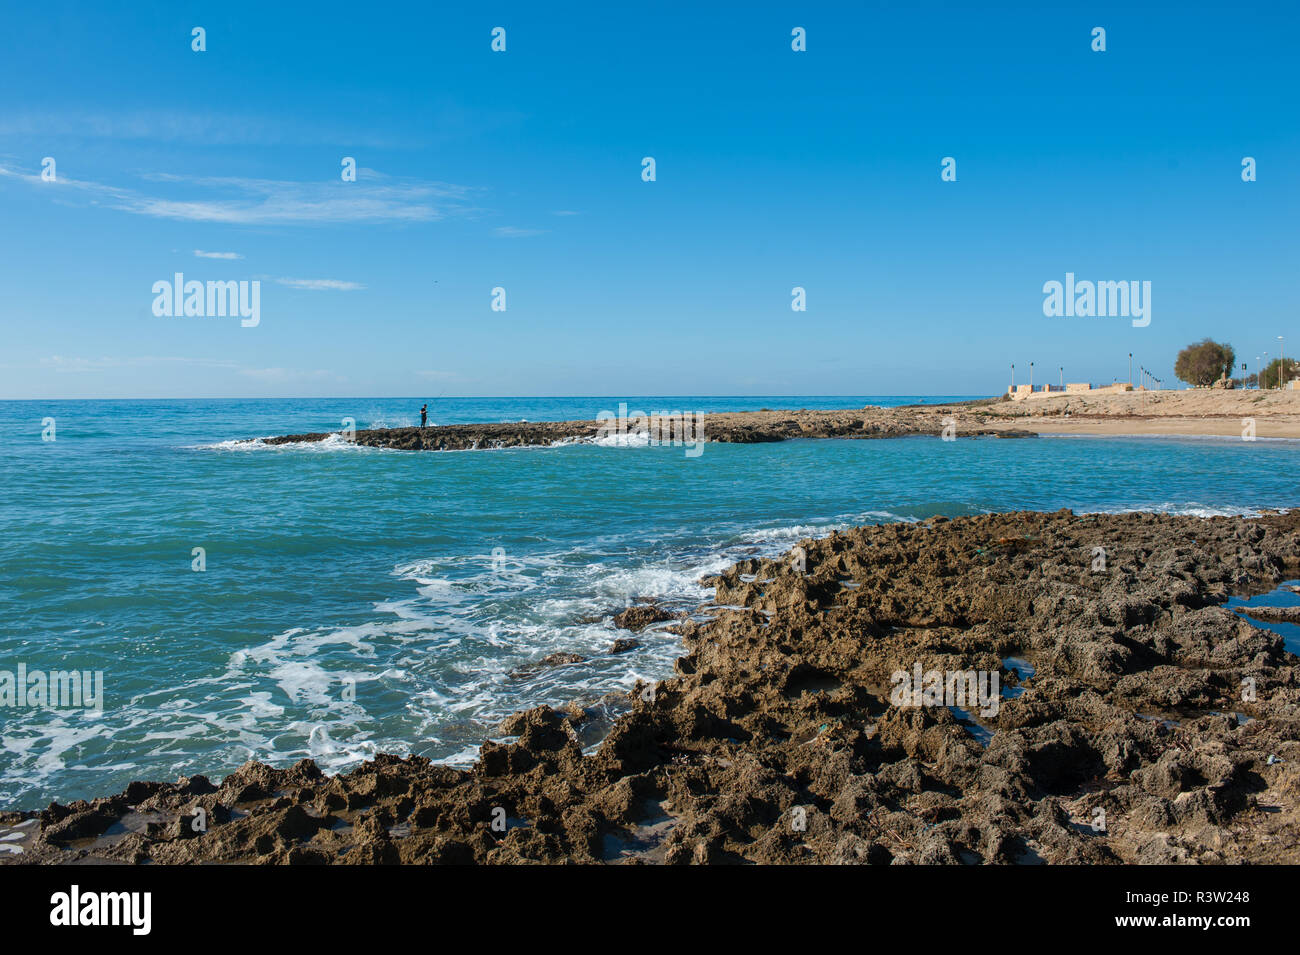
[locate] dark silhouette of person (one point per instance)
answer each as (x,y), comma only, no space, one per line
(424,415)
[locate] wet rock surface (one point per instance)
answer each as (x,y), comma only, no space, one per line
(1142,721)
(1273,614)
(545,663)
(641,616)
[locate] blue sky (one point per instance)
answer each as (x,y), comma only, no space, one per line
(522,170)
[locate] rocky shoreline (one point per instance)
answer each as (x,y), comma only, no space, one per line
(1124,702)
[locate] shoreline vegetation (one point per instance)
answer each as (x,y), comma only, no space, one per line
(1199,412)
(1139,720)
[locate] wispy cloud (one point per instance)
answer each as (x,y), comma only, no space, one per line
(216,255)
(78,365)
(515,232)
(435,375)
(74,365)
(286,374)
(318,285)
(153,125)
(374,197)
(446,121)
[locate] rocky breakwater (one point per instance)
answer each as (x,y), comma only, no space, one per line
(1139,720)
(741,427)
(461,437)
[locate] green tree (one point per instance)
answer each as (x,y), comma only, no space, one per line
(1205,362)
(1268,378)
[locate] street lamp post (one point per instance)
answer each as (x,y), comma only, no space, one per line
(1062,377)
(1130,369)
(1031,377)
(1281,363)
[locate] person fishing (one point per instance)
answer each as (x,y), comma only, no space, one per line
(424,415)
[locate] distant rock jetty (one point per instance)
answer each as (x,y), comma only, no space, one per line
(739,427)
(1200,412)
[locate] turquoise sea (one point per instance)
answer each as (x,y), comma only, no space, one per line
(356,601)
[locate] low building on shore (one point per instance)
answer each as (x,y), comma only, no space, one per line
(1021,392)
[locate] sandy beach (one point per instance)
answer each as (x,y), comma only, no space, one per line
(1206,412)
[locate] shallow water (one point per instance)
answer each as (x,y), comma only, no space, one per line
(1281,596)
(359,600)
(1024,671)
